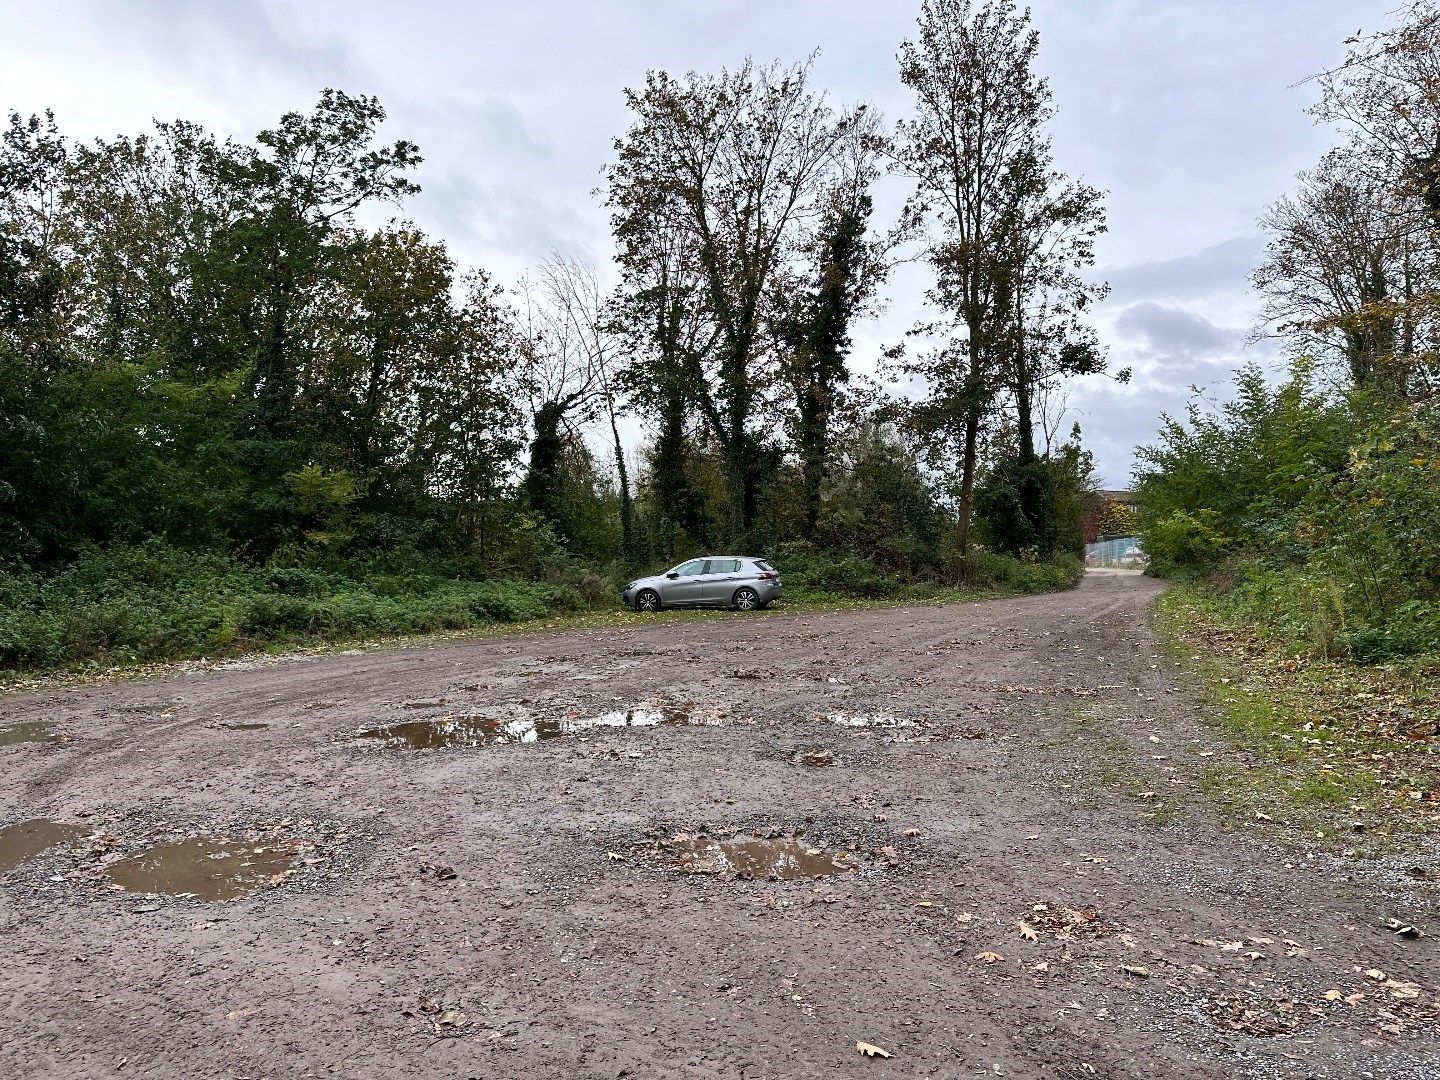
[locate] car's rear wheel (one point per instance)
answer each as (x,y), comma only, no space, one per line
(647,601)
(746,599)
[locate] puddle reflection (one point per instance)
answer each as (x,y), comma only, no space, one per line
(783,859)
(203,867)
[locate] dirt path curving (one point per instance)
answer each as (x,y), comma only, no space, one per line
(980,774)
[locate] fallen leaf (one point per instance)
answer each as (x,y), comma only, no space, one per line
(1403,929)
(871,1050)
(1402,991)
(1333,995)
(989,957)
(452,1018)
(1026,930)
(1136,970)
(964,918)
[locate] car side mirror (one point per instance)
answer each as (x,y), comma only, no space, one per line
(672,575)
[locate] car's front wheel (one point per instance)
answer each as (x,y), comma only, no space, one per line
(647,601)
(746,599)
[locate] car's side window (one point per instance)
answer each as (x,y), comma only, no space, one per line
(724,566)
(692,568)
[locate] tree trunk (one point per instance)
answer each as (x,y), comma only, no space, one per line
(967,477)
(543,475)
(1024,402)
(627,545)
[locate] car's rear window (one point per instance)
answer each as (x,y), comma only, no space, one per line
(764,566)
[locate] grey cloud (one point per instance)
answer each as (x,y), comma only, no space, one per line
(496,129)
(228,41)
(500,219)
(1223,267)
(1174,330)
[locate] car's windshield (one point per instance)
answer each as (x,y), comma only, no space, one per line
(690,569)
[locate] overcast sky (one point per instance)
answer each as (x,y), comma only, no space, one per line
(1186,111)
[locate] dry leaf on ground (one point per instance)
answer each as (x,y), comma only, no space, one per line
(871,1050)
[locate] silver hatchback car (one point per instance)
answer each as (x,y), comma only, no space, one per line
(731,581)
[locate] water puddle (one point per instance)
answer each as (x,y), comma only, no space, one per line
(29,731)
(649,716)
(152,708)
(870,720)
(204,868)
(475,731)
(28,838)
(783,859)
(245,727)
(461,731)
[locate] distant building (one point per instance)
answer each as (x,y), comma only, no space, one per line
(1110,508)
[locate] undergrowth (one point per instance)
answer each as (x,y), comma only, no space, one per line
(133,605)
(1330,750)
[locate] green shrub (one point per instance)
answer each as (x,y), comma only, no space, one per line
(152,601)
(808,573)
(1184,541)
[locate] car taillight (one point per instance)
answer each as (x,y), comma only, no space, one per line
(767,576)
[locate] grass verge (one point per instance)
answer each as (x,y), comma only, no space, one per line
(1331,751)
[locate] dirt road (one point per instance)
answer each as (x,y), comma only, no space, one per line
(975,776)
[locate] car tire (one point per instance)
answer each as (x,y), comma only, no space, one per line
(746,599)
(648,601)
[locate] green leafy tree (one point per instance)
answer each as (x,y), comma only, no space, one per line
(973,139)
(737,163)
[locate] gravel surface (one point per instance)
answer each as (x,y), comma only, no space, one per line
(983,775)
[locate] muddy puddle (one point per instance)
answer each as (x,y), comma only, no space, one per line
(475,731)
(782,859)
(245,727)
(649,716)
(815,759)
(205,868)
(27,839)
(882,721)
(460,731)
(29,731)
